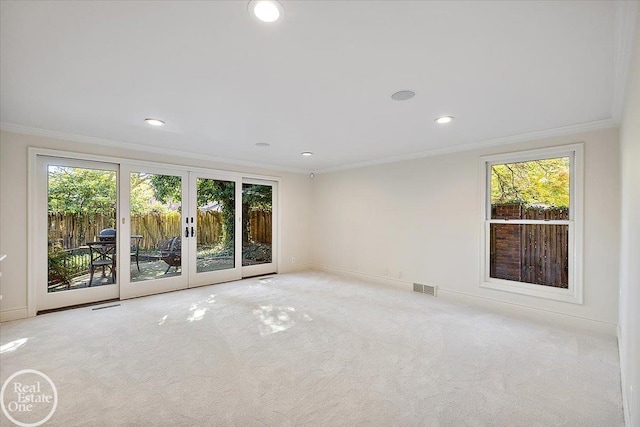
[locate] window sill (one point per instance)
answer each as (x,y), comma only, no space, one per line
(539,291)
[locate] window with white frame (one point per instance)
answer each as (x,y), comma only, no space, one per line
(532,222)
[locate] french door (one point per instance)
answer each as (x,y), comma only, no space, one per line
(121,230)
(211,228)
(153,228)
(259,209)
(214,240)
(77,200)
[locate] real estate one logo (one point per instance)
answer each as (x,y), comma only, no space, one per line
(28,398)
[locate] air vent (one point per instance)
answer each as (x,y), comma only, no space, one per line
(430,290)
(106,306)
(425,289)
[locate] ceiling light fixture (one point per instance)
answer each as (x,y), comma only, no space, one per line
(444,119)
(266,10)
(307,153)
(262,144)
(403,95)
(154,122)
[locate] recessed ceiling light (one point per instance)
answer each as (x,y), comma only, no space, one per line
(444,119)
(403,95)
(266,10)
(307,153)
(262,144)
(154,122)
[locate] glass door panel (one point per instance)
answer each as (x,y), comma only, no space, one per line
(213,247)
(79,202)
(258,227)
(215,217)
(154,232)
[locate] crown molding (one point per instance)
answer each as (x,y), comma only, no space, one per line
(64,136)
(513,139)
(624,39)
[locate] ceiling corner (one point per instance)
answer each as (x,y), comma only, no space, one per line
(625,30)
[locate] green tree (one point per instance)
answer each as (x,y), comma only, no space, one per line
(254,196)
(538,182)
(168,188)
(142,195)
(82,191)
(90,192)
(222,192)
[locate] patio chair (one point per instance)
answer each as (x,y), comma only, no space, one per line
(109,235)
(171,253)
(135,249)
(103,256)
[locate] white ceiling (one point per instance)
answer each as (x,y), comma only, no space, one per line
(320,80)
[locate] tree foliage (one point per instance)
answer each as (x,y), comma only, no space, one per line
(168,188)
(538,182)
(88,191)
(142,197)
(82,191)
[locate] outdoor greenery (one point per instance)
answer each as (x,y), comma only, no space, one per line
(81,191)
(543,183)
(167,189)
(63,266)
(81,201)
(91,191)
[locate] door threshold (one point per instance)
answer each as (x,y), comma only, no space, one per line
(264,276)
(72,307)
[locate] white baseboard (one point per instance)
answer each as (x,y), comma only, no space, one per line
(379,280)
(293,268)
(14,314)
(529,312)
(463,298)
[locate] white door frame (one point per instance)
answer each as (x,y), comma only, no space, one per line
(51,300)
(130,289)
(33,232)
(212,277)
(272,267)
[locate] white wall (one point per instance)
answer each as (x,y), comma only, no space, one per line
(294,193)
(421,219)
(629,323)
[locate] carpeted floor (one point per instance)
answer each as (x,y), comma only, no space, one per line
(313,349)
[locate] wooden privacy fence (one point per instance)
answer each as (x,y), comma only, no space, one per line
(531,253)
(155,228)
(68,231)
(260,226)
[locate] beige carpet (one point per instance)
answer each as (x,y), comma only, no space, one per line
(313,349)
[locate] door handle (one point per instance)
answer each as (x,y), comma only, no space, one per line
(186,232)
(192,232)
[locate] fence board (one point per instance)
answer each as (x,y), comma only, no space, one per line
(542,252)
(69,231)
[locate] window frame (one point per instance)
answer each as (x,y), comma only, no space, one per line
(574,293)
